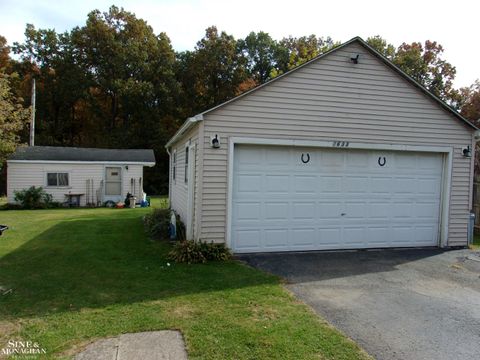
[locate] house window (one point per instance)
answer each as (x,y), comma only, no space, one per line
(174,166)
(186,165)
(57,179)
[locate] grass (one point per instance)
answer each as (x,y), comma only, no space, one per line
(81,274)
(476,241)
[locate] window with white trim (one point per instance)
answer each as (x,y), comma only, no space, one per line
(186,164)
(58,179)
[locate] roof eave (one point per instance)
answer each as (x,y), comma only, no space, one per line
(187,125)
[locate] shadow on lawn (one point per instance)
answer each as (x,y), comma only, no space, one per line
(95,262)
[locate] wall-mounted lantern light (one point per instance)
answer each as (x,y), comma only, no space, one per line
(466,151)
(354,58)
(215,141)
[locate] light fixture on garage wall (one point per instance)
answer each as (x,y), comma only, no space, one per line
(215,141)
(354,58)
(126,167)
(466,151)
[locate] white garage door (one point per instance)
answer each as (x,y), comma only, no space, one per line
(333,199)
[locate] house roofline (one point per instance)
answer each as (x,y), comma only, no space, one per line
(187,125)
(189,122)
(143,163)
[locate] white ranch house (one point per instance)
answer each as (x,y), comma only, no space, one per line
(89,175)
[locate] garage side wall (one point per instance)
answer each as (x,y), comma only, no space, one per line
(178,187)
(334,99)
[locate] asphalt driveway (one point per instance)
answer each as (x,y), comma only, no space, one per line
(397,304)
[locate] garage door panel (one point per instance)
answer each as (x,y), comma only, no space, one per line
(247,211)
(329,237)
(379,210)
(356,184)
(355,210)
(277,184)
(276,238)
(401,210)
(282,204)
(429,186)
(404,185)
(427,210)
(248,183)
(332,160)
(329,210)
(428,163)
(378,236)
(354,236)
(276,211)
(303,210)
(357,160)
(381,185)
(330,184)
(249,240)
(302,238)
(278,157)
(305,184)
(424,234)
(403,235)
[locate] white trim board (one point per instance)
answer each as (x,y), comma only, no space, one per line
(190,190)
(330,144)
(446,180)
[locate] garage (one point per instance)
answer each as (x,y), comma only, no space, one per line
(345,151)
(297,199)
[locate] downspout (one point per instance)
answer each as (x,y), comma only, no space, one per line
(169,177)
(472,214)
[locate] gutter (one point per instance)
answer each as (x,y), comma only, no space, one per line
(187,125)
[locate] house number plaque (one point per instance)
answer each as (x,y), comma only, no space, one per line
(340,143)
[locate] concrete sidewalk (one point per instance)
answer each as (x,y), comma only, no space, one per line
(154,345)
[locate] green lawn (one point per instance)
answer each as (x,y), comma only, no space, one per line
(81,274)
(476,241)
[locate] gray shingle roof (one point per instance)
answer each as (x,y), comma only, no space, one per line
(55,153)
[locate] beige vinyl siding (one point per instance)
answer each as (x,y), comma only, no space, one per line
(334,99)
(24,175)
(179,189)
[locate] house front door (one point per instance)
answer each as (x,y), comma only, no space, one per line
(113,184)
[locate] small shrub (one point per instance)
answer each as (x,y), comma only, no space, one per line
(181,231)
(56,205)
(11,206)
(33,198)
(187,251)
(157,223)
(215,252)
(192,252)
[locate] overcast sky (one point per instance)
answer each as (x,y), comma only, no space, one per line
(455,23)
